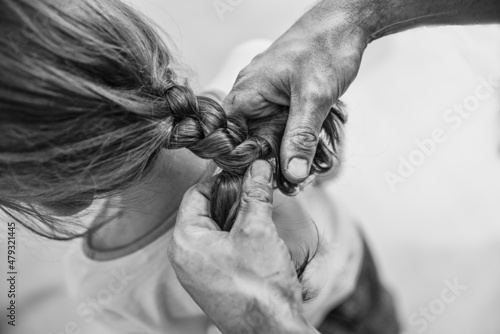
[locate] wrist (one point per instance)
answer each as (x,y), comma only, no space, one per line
(330,23)
(361,17)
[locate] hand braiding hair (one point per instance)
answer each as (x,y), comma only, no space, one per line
(201,125)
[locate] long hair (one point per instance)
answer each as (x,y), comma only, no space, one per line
(89,98)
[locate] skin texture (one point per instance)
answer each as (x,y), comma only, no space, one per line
(297,71)
(310,66)
(238,284)
(307,69)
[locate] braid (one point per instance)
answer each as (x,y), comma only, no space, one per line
(201,125)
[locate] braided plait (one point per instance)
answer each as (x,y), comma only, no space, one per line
(201,125)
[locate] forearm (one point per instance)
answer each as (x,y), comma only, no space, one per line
(399,15)
(378,18)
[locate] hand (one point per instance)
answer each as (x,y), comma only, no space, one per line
(244,280)
(310,66)
(307,69)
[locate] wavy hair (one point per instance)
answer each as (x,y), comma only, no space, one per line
(88,99)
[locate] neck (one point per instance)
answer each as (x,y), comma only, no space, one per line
(149,209)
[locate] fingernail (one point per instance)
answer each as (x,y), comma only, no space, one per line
(298,168)
(261,171)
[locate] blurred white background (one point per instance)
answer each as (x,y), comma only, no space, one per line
(441,224)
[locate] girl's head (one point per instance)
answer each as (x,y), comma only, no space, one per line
(88,99)
(85,91)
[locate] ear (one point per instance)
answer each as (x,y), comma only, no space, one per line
(70,207)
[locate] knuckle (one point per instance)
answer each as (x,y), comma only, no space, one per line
(256,194)
(174,252)
(190,192)
(250,230)
(234,102)
(244,73)
(181,247)
(304,139)
(317,92)
(241,99)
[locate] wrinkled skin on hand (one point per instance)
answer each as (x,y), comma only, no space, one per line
(307,69)
(244,280)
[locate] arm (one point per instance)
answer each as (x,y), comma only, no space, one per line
(310,66)
(384,17)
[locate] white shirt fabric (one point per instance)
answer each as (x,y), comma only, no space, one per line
(139,293)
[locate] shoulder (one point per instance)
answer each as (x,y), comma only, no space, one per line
(88,277)
(134,294)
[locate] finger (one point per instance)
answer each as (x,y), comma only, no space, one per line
(244,102)
(194,211)
(308,111)
(254,96)
(194,228)
(255,210)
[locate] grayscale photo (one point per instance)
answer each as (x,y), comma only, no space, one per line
(249,166)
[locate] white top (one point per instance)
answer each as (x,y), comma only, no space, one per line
(139,293)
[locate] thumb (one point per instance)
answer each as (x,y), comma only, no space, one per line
(308,112)
(255,210)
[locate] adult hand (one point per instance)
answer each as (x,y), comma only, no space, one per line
(307,69)
(310,66)
(244,280)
